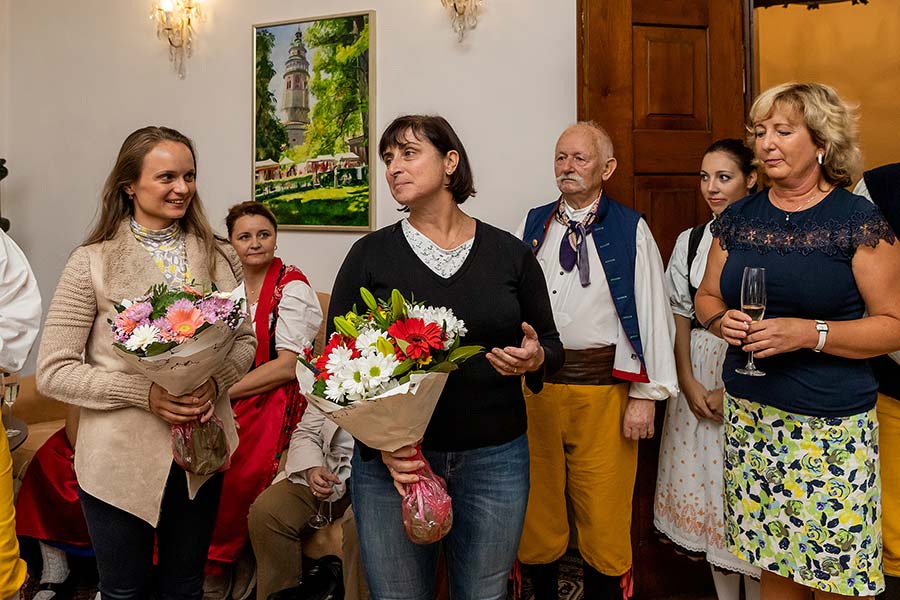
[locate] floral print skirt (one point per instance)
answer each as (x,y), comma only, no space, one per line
(802,496)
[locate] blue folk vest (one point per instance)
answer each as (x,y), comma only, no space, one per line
(614,233)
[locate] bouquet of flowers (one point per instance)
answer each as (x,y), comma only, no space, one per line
(380,377)
(176,337)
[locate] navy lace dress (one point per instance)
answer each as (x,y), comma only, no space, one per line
(807,256)
(802,497)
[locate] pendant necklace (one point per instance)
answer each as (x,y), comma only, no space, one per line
(787,214)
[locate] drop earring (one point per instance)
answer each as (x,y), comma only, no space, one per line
(821,158)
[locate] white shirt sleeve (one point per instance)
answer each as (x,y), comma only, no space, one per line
(655,319)
(677,278)
(299,317)
(862,189)
(20,306)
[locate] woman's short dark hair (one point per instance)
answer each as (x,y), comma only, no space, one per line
(247,209)
(739,153)
(438,131)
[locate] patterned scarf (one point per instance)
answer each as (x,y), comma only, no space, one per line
(167,249)
(573,249)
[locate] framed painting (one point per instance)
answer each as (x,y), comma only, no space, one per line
(313,113)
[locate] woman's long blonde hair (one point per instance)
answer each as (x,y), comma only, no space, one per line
(115,204)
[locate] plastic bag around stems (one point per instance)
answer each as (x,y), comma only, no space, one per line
(427,507)
(201,448)
(198,448)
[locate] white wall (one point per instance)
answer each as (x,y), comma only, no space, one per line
(82,75)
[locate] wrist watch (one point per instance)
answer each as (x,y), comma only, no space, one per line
(822,328)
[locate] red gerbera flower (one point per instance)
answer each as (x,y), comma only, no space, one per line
(419,336)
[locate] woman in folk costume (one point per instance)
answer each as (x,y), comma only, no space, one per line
(151,230)
(267,401)
(689,506)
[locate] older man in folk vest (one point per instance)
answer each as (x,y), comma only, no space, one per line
(607,287)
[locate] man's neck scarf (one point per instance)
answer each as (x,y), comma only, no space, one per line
(573,249)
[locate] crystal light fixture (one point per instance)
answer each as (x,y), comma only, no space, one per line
(463,15)
(175,21)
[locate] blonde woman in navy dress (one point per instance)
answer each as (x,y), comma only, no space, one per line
(802,479)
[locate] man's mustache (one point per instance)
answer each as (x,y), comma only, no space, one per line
(570,177)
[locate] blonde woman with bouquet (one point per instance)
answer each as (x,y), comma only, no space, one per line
(442,257)
(151,230)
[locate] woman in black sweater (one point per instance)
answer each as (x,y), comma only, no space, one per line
(476,439)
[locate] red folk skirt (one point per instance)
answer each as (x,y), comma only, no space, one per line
(48,508)
(265,423)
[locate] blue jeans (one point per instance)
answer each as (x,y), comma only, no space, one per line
(489,488)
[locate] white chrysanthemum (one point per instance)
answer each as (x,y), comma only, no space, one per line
(354,385)
(333,389)
(367,339)
(339,361)
(377,369)
(141,337)
(444,318)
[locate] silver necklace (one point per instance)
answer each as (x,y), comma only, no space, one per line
(787,214)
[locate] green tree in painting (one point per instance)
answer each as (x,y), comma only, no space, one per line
(340,83)
(271,135)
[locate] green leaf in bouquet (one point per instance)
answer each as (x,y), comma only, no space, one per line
(319,388)
(368,298)
(380,320)
(398,304)
(464,353)
(403,367)
(444,367)
(345,327)
(384,346)
(158,348)
(403,344)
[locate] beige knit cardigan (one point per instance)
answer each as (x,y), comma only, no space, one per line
(123,451)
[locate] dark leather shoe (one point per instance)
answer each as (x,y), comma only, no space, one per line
(323,581)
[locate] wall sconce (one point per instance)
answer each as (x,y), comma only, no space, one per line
(463,15)
(175,23)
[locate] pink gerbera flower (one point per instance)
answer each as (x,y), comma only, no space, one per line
(184,318)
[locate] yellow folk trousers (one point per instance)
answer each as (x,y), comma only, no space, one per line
(12,568)
(577,449)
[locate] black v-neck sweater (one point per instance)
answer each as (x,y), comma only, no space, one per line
(499,286)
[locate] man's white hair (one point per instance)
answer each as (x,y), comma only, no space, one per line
(601,136)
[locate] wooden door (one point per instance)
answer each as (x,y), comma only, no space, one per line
(666,79)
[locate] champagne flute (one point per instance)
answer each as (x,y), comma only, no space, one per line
(753,302)
(318,520)
(9,389)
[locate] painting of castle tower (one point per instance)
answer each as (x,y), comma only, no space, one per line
(296,91)
(312,107)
